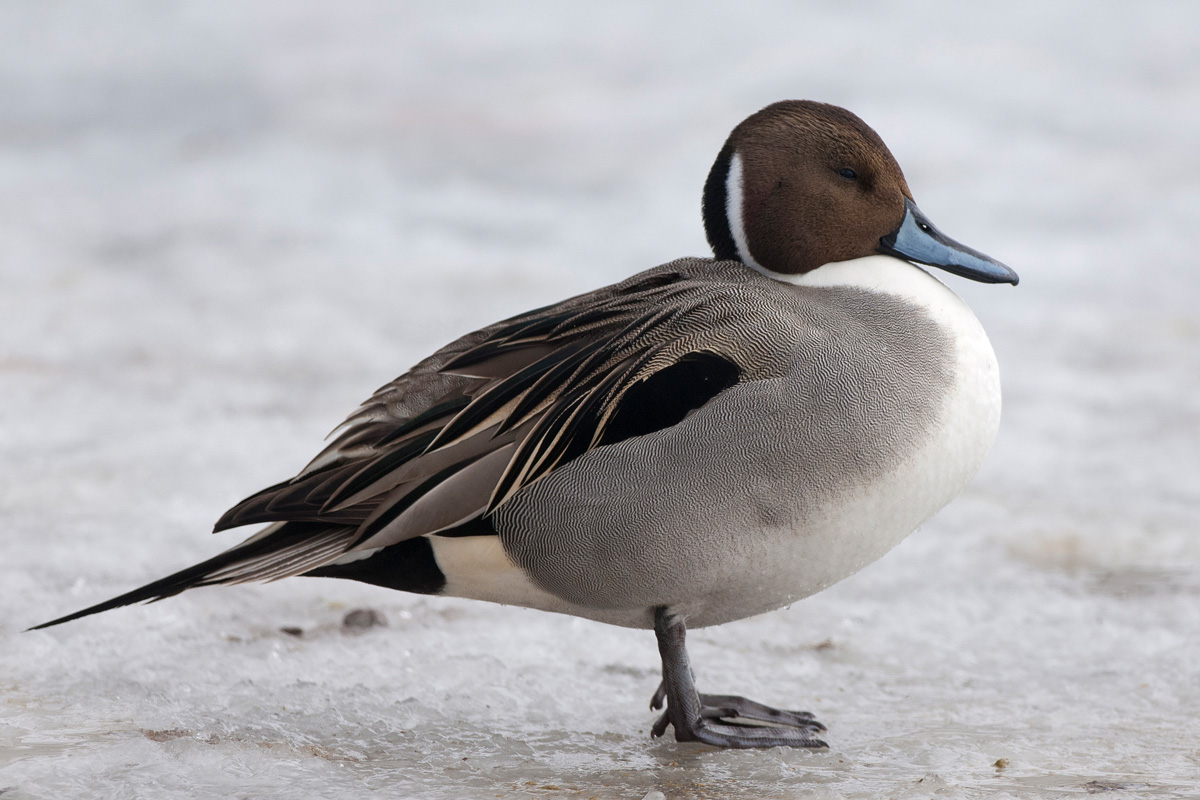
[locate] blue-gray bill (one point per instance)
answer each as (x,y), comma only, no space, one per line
(918,240)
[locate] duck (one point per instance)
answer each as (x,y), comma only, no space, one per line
(708,440)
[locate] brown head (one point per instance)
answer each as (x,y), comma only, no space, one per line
(800,184)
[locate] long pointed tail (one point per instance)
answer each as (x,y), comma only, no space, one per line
(281,550)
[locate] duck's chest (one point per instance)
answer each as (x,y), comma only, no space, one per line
(897,420)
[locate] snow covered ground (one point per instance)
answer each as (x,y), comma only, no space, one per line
(223,224)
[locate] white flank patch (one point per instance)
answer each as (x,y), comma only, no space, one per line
(477,567)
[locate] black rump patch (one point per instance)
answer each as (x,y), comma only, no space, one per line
(666,397)
(407,566)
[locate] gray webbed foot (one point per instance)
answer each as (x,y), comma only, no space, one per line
(732,706)
(718,719)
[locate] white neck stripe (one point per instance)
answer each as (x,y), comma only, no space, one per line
(733,211)
(737,228)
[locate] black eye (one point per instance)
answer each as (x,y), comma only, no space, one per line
(848,174)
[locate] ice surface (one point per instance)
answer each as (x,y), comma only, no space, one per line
(223,224)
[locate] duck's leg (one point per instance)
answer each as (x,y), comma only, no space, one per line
(721,720)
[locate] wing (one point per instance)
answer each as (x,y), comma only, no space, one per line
(451,440)
(513,404)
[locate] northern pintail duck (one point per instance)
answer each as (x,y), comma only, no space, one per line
(707,440)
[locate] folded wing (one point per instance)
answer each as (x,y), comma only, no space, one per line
(453,439)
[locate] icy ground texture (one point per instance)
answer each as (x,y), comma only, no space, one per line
(223,225)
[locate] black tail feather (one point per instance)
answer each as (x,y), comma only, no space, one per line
(201,574)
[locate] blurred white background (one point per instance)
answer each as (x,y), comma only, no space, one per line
(222,225)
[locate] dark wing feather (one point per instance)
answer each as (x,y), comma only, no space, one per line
(493,399)
(484,417)
(665,397)
(552,382)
